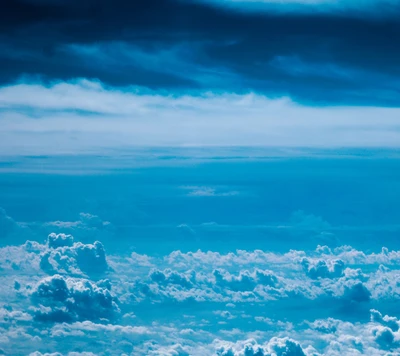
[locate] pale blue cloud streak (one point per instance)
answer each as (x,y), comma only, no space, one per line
(84,115)
(374,8)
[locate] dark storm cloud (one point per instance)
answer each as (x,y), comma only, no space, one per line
(320,57)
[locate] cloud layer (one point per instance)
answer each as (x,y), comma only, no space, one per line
(341,301)
(84,115)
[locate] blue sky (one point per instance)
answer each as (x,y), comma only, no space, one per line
(199,177)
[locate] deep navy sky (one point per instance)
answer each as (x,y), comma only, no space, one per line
(317,57)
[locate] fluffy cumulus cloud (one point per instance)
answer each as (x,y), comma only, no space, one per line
(65,255)
(245,280)
(275,347)
(60,240)
(59,255)
(69,297)
(170,277)
(322,269)
(389,321)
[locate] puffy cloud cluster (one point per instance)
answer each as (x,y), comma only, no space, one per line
(63,299)
(386,338)
(171,277)
(275,347)
(197,303)
(356,291)
(59,240)
(245,281)
(346,254)
(325,279)
(389,321)
(241,279)
(10,316)
(216,286)
(386,334)
(323,269)
(65,255)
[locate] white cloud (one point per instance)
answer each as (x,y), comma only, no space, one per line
(74,116)
(66,299)
(322,269)
(275,347)
(231,303)
(204,191)
(65,255)
(59,240)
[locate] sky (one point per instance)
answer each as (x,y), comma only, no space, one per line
(199,177)
(101,75)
